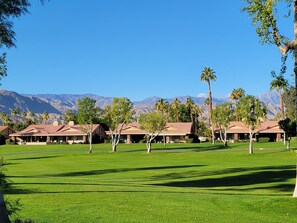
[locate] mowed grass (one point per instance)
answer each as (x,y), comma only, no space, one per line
(176,183)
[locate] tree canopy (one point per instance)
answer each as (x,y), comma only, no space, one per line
(116,115)
(153,123)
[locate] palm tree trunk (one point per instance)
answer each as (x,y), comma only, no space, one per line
(3,211)
(210,102)
(281,104)
(210,112)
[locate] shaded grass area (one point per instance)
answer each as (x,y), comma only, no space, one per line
(176,183)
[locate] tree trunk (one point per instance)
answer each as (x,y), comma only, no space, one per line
(295,190)
(3,211)
(295,71)
(225,137)
(114,142)
(281,103)
(114,147)
(149,146)
(212,135)
(90,141)
(210,101)
(251,149)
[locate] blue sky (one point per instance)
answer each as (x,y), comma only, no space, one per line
(138,49)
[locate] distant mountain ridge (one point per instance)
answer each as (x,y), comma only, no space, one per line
(59,103)
(10,100)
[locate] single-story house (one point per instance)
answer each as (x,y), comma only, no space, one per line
(5,131)
(238,131)
(43,134)
(175,132)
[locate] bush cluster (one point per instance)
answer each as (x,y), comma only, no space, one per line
(263,139)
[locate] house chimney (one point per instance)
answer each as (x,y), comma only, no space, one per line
(55,123)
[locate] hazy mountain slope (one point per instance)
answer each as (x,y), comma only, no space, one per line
(10,100)
(59,103)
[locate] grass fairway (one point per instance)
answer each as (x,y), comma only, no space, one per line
(179,183)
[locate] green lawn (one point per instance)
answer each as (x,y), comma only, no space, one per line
(176,183)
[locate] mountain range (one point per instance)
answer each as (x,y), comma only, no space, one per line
(57,104)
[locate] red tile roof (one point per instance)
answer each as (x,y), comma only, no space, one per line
(179,128)
(266,127)
(52,130)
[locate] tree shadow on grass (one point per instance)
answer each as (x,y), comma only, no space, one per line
(177,149)
(265,175)
(36,158)
(107,171)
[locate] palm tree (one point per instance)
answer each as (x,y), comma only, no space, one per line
(32,116)
(279,83)
(45,117)
(160,106)
(163,106)
(5,118)
(175,107)
(236,95)
(189,105)
(23,116)
(196,112)
(15,112)
(208,75)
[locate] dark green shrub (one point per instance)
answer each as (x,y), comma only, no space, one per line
(191,140)
(142,141)
(263,139)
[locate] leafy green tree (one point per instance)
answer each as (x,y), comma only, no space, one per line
(253,113)
(9,10)
(265,17)
(116,116)
(184,113)
(221,118)
(153,123)
(289,128)
(3,66)
(87,115)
